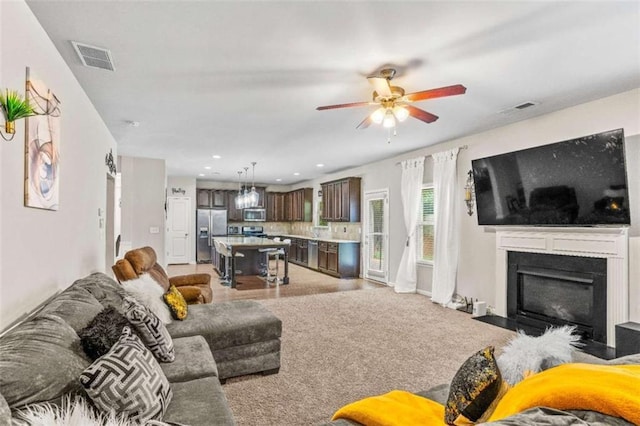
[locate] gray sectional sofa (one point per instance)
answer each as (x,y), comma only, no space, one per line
(41,359)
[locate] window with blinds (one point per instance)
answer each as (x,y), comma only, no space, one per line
(426,226)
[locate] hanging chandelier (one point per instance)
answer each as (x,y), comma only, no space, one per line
(247,199)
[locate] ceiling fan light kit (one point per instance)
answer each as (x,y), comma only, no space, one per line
(394,104)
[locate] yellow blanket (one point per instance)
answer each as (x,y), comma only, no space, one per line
(393,408)
(607,389)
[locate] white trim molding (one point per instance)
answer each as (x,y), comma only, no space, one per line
(611,244)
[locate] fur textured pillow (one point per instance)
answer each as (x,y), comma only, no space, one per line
(527,353)
(148,292)
(102,332)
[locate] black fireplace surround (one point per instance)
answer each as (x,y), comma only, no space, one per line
(552,290)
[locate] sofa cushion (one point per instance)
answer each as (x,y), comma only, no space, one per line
(128,380)
(154,334)
(227,324)
(199,402)
(40,360)
(193,360)
(106,291)
(176,302)
(102,332)
(75,305)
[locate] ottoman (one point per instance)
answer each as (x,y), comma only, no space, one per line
(243,335)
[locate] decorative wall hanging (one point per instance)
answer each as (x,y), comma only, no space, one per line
(111,165)
(42,147)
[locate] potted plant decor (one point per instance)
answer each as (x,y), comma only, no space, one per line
(14,107)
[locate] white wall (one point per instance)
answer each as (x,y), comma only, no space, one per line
(45,251)
(188,184)
(143,203)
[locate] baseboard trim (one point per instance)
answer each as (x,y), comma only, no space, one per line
(423,292)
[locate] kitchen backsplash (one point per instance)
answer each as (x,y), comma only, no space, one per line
(335,230)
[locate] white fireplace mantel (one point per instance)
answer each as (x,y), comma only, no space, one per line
(611,244)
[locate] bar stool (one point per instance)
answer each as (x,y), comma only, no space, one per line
(223,250)
(267,257)
(276,255)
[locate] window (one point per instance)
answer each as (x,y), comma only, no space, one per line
(426,225)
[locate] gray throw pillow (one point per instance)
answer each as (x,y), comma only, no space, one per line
(153,332)
(129,381)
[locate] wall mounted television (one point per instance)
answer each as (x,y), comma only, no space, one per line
(577,182)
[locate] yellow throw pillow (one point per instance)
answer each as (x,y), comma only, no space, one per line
(176,303)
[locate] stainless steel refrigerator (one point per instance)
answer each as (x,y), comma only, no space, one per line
(209,223)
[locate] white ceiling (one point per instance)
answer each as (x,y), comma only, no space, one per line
(242,79)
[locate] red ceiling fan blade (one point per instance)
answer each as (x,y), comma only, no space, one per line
(381,85)
(441,92)
(353,104)
(420,114)
(365,123)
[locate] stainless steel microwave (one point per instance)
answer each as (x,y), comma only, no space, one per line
(254,215)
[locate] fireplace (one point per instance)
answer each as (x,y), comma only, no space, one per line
(593,245)
(551,290)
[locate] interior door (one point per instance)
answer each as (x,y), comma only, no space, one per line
(376,235)
(178,229)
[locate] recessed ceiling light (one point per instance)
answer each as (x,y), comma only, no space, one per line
(217,157)
(278,180)
(320,165)
(296,174)
(201,174)
(207,167)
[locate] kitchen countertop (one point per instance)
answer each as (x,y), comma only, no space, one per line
(304,237)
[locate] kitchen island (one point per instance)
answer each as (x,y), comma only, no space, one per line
(250,247)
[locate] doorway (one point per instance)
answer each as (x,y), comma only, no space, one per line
(178,229)
(376,235)
(110,237)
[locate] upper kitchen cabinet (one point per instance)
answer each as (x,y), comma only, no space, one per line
(341,200)
(276,207)
(233,214)
(300,205)
(211,198)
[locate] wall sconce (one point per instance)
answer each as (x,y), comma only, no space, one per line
(469,193)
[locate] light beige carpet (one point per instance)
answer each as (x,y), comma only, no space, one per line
(340,347)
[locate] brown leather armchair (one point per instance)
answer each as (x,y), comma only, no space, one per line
(195,288)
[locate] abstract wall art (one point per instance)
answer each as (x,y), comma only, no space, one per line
(42,147)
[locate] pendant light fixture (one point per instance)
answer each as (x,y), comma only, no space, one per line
(253,199)
(238,199)
(247,199)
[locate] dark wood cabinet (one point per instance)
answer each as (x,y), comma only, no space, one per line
(292,206)
(203,198)
(233,214)
(339,259)
(341,200)
(322,256)
(275,206)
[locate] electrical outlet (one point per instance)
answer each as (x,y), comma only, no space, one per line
(154,230)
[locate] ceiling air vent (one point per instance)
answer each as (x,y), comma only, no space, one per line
(525,105)
(94,57)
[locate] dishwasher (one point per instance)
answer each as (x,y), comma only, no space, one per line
(313,254)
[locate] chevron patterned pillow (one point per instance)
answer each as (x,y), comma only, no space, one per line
(152,331)
(128,380)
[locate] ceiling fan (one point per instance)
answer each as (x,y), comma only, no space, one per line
(394,103)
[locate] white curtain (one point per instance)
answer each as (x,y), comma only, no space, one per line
(411,186)
(447,242)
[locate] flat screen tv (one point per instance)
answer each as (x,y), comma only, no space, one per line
(577,182)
